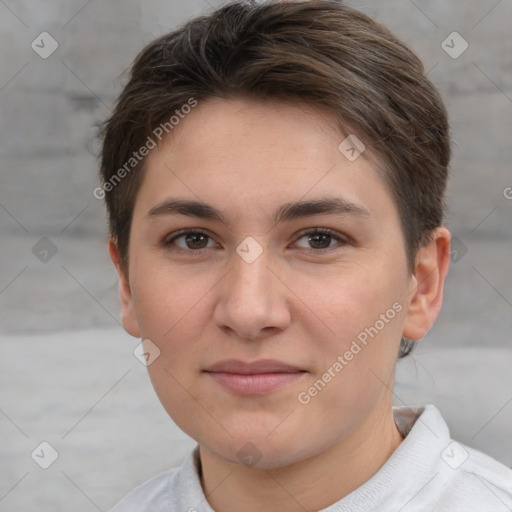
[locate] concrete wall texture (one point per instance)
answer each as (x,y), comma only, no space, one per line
(63,63)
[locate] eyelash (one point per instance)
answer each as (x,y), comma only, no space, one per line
(168,242)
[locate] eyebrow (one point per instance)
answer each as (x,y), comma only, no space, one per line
(286,212)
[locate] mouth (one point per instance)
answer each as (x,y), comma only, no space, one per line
(255,378)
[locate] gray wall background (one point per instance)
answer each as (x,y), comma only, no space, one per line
(48,112)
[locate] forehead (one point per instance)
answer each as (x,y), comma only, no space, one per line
(243,153)
(270,131)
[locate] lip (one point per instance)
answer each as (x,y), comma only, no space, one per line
(253,378)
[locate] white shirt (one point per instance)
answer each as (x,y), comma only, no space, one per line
(427,472)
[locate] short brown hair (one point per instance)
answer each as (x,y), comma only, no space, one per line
(318,52)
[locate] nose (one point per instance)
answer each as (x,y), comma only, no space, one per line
(253,301)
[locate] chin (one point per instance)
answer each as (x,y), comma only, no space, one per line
(259,450)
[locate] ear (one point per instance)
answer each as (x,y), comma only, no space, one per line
(426,285)
(129,317)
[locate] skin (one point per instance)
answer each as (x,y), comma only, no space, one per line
(298,302)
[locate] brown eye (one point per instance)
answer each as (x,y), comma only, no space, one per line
(196,240)
(191,241)
(321,239)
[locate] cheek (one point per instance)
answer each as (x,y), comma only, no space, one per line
(171,313)
(365,311)
(353,300)
(165,299)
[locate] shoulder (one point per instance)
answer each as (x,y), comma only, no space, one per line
(174,489)
(478,481)
(438,474)
(152,495)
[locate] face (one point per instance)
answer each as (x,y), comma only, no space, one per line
(277,324)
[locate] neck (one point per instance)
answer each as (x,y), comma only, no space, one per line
(307,485)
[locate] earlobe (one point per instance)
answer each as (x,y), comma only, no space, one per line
(129,317)
(427,284)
